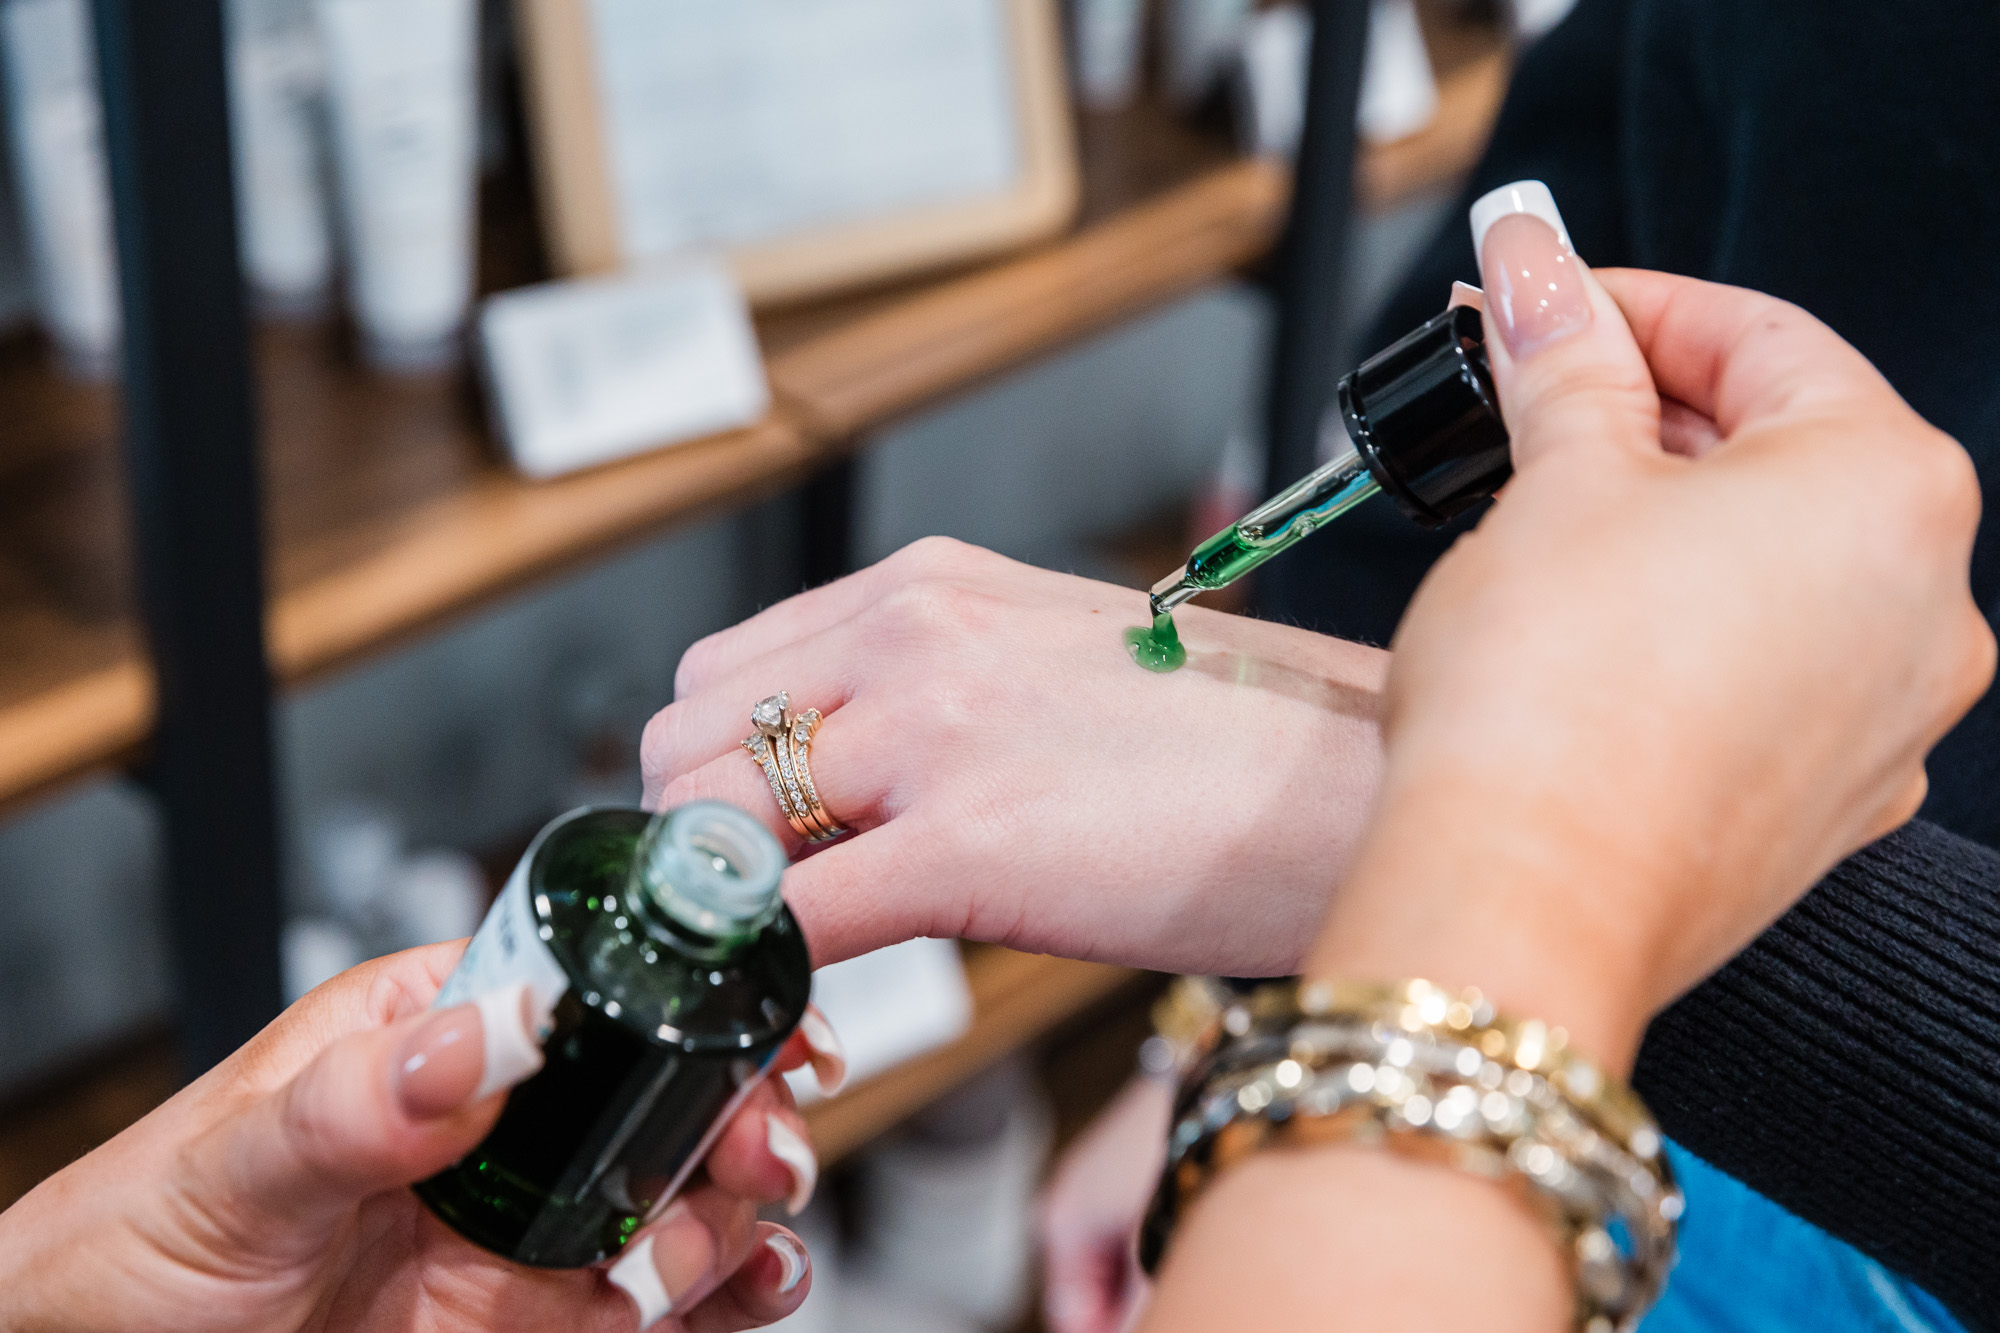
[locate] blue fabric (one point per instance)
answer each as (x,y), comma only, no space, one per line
(1748,1266)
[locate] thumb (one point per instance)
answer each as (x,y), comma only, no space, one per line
(1567,367)
(374,1110)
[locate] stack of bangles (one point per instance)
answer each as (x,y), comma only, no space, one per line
(781,746)
(1440,1077)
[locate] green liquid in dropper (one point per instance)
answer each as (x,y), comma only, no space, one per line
(1158,648)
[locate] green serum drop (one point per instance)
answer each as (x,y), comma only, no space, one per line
(1157,648)
(673,972)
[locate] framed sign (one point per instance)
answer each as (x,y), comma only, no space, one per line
(817,144)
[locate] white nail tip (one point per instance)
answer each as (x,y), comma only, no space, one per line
(797,1155)
(512,1053)
(1531,197)
(792,1257)
(829,1057)
(637,1276)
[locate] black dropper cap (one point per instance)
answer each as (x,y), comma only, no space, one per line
(1425,418)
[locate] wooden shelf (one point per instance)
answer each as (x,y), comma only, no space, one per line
(388,510)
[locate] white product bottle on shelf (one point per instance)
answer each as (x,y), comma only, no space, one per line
(277,105)
(402,86)
(57,128)
(1203,37)
(1108,38)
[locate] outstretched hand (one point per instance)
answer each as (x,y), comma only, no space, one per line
(1012,776)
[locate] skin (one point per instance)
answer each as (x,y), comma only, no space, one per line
(1587,846)
(1609,754)
(994,744)
(269,1195)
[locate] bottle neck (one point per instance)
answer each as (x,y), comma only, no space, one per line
(704,880)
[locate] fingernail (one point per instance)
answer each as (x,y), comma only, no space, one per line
(792,1255)
(514,1028)
(438,1065)
(667,1267)
(1533,278)
(797,1155)
(829,1057)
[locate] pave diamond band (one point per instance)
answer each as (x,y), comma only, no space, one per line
(781,746)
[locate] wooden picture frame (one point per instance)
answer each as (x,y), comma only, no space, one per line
(581,215)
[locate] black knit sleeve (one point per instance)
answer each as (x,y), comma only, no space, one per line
(1847,1064)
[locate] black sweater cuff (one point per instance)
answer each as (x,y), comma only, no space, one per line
(1847,1064)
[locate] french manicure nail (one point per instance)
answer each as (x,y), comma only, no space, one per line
(637,1276)
(790,1254)
(666,1268)
(829,1057)
(1533,278)
(513,1027)
(438,1065)
(797,1155)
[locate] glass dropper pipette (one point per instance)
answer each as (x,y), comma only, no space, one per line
(1279,524)
(1423,426)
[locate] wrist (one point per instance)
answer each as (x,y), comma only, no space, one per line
(1550,922)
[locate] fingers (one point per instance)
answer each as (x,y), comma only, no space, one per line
(674,1264)
(872,890)
(775,627)
(817,1044)
(374,1110)
(712,722)
(764,1153)
(847,760)
(1084,1287)
(1735,355)
(1567,368)
(769,1285)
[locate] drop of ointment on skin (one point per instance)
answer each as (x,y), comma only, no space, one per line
(1158,648)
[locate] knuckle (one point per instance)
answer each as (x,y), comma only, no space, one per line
(937,555)
(695,663)
(655,742)
(924,611)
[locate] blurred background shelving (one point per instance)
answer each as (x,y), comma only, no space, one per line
(391,521)
(388,509)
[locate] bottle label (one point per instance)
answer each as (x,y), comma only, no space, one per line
(509,949)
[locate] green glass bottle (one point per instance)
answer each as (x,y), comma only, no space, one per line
(674,973)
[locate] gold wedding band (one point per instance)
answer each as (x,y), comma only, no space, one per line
(781,746)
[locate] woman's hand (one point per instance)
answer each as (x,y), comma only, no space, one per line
(1014,777)
(270,1195)
(1630,718)
(1097,1195)
(1658,693)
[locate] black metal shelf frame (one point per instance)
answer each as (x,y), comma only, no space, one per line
(191,451)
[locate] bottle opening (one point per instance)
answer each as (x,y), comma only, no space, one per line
(712,869)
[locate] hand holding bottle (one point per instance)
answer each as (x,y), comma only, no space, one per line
(270,1194)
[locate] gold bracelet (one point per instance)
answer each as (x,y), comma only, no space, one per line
(1439,1076)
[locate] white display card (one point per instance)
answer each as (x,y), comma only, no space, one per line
(890,1006)
(585,371)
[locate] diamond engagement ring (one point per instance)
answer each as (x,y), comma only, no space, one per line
(780,746)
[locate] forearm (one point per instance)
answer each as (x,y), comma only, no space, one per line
(1339,1238)
(1352,1236)
(1848,1063)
